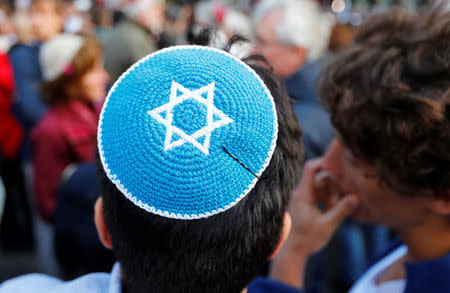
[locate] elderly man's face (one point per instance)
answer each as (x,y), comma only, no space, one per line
(286,60)
(154,18)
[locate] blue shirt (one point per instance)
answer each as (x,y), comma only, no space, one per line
(92,283)
(107,283)
(430,276)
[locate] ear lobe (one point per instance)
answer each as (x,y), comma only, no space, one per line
(287,224)
(301,53)
(441,205)
(100,224)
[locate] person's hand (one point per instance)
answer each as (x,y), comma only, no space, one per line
(312,227)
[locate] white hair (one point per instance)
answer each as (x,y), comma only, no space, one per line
(304,24)
(236,22)
(131,7)
(204,12)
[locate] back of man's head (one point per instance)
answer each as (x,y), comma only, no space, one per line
(389,99)
(220,253)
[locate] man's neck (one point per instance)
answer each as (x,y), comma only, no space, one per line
(428,241)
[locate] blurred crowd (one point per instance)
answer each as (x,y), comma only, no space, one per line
(58,58)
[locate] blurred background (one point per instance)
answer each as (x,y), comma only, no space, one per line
(47,183)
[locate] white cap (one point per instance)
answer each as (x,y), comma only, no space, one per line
(58,53)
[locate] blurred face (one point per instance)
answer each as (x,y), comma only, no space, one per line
(286,60)
(46,21)
(379,204)
(92,84)
(5,24)
(154,18)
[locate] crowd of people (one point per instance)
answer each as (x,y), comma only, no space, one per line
(357,118)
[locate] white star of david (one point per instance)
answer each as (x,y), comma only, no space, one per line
(206,131)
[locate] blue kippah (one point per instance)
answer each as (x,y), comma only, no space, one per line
(186,132)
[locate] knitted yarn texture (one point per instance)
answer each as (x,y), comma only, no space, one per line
(186,132)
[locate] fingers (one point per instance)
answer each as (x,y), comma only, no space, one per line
(312,167)
(305,189)
(331,200)
(343,208)
(326,188)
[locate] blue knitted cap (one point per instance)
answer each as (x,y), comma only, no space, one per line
(186,132)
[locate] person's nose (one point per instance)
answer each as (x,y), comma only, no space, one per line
(332,158)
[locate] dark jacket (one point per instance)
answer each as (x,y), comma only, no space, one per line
(28,77)
(28,106)
(77,246)
(317,129)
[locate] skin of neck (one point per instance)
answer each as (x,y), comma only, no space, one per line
(430,240)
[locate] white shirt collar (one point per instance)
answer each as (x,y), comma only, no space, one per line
(115,285)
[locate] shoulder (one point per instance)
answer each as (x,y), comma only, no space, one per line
(20,52)
(431,276)
(25,59)
(93,283)
(29,283)
(136,32)
(265,285)
(50,126)
(116,43)
(367,279)
(122,31)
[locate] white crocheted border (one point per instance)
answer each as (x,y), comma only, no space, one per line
(152,209)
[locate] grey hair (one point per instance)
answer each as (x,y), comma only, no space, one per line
(304,24)
(132,8)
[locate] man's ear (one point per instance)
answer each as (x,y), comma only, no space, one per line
(441,205)
(287,224)
(100,224)
(301,53)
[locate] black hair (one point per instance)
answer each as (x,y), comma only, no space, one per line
(221,253)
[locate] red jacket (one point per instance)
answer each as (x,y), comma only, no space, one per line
(11,132)
(67,134)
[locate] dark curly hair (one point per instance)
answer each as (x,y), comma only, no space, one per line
(389,98)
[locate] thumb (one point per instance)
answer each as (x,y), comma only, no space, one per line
(343,208)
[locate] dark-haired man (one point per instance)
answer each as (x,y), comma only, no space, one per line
(198,156)
(388,95)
